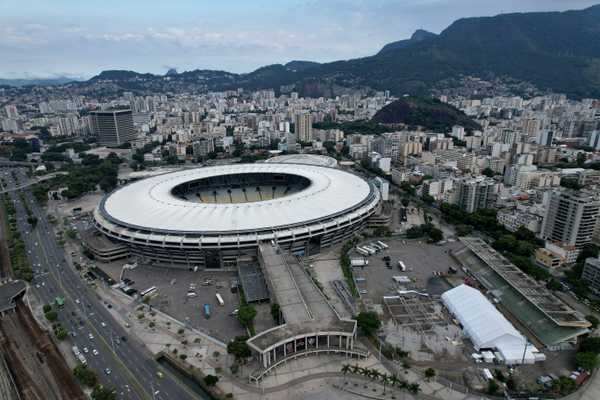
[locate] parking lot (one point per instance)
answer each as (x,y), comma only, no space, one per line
(171,297)
(424,262)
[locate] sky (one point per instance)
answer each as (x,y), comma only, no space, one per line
(80,38)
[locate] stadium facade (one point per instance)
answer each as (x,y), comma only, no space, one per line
(210,217)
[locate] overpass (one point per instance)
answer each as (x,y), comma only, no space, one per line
(34,182)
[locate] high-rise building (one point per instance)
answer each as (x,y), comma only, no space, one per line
(303,126)
(591,274)
(476,193)
(113,127)
(571,216)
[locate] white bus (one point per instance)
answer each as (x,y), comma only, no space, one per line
(402,266)
(220,300)
(148,291)
(370,250)
(385,246)
(363,251)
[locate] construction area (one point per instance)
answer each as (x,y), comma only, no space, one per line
(416,311)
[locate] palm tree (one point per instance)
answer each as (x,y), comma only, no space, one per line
(346,368)
(374,374)
(365,371)
(356,369)
(414,388)
(385,378)
(394,380)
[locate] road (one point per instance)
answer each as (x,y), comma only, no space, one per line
(30,182)
(133,371)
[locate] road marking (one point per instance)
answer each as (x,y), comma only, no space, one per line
(143,393)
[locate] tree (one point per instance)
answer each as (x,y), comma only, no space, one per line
(429,373)
(589,250)
(103,393)
(427,199)
(586,360)
(492,387)
(564,385)
(590,344)
(275,312)
(61,333)
(46,308)
(553,284)
(346,368)
(246,315)
(239,348)
(488,172)
(368,322)
(51,316)
(211,380)
(435,235)
(464,230)
(414,232)
(85,375)
(405,202)
(593,320)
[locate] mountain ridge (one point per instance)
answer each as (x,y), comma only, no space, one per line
(558,51)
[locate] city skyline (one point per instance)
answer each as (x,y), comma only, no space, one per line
(40,40)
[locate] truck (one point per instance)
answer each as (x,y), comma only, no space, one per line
(220,300)
(401,266)
(359,262)
(59,301)
(81,359)
(206,308)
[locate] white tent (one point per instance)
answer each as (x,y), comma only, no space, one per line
(486,326)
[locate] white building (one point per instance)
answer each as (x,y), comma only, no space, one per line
(487,327)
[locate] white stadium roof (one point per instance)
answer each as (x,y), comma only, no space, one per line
(308,159)
(149,204)
(486,326)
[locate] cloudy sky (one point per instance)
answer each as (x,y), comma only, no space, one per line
(41,38)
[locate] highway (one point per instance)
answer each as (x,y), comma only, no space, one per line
(133,371)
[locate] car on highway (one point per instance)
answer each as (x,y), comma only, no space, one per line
(86,350)
(107,371)
(95,352)
(103,324)
(90,336)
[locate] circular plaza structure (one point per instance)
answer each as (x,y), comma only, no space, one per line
(210,217)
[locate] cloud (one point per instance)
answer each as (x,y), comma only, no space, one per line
(239,36)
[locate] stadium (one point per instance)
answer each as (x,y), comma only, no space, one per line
(210,217)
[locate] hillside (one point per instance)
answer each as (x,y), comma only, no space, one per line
(428,113)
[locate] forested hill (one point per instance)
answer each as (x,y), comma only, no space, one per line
(428,113)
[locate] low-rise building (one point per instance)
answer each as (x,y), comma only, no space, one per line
(513,219)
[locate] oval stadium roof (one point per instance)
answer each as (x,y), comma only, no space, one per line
(149,204)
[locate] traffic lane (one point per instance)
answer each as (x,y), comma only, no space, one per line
(68,280)
(105,316)
(151,372)
(34,249)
